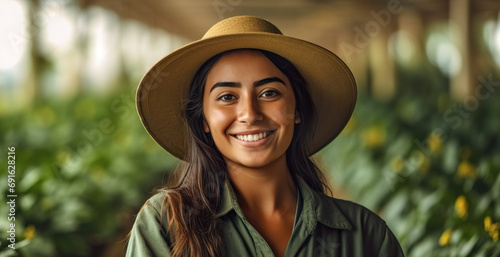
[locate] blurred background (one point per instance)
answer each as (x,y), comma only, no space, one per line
(422,148)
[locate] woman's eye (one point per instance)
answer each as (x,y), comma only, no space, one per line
(270,93)
(226,98)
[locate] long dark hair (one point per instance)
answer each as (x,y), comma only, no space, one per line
(191,206)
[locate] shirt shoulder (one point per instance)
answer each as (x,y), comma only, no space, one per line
(156,201)
(347,215)
(358,214)
(368,232)
(148,236)
(153,210)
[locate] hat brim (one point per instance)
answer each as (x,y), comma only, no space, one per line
(163,92)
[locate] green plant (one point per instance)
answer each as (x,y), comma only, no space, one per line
(430,167)
(83,167)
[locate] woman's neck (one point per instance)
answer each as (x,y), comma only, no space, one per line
(267,191)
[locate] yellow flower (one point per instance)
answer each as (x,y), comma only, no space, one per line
(373,137)
(434,142)
(424,165)
(466,170)
(397,164)
(487,223)
(461,206)
(29,233)
(494,230)
(445,238)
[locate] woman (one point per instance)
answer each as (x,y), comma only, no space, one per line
(245,107)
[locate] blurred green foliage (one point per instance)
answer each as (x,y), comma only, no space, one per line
(430,166)
(84,167)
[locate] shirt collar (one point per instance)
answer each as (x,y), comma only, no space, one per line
(317,207)
(228,201)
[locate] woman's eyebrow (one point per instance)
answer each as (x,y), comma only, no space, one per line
(255,84)
(225,84)
(268,80)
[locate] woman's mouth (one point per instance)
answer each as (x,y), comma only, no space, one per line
(253,137)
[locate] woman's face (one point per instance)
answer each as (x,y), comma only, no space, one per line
(249,109)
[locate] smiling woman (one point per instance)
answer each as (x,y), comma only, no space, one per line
(249,111)
(259,105)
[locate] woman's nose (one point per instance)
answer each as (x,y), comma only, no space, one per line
(249,111)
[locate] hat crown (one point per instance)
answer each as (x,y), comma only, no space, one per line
(241,24)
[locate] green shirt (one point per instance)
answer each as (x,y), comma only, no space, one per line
(325,226)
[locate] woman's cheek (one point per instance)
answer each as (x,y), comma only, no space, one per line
(221,117)
(285,114)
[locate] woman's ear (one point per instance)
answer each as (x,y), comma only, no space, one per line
(297,117)
(205,126)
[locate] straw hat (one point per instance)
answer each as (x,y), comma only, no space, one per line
(163,92)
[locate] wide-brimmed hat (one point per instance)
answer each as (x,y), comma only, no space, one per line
(163,92)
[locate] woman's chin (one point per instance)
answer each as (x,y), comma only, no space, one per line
(253,162)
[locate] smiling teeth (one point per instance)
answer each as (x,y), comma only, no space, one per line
(253,137)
